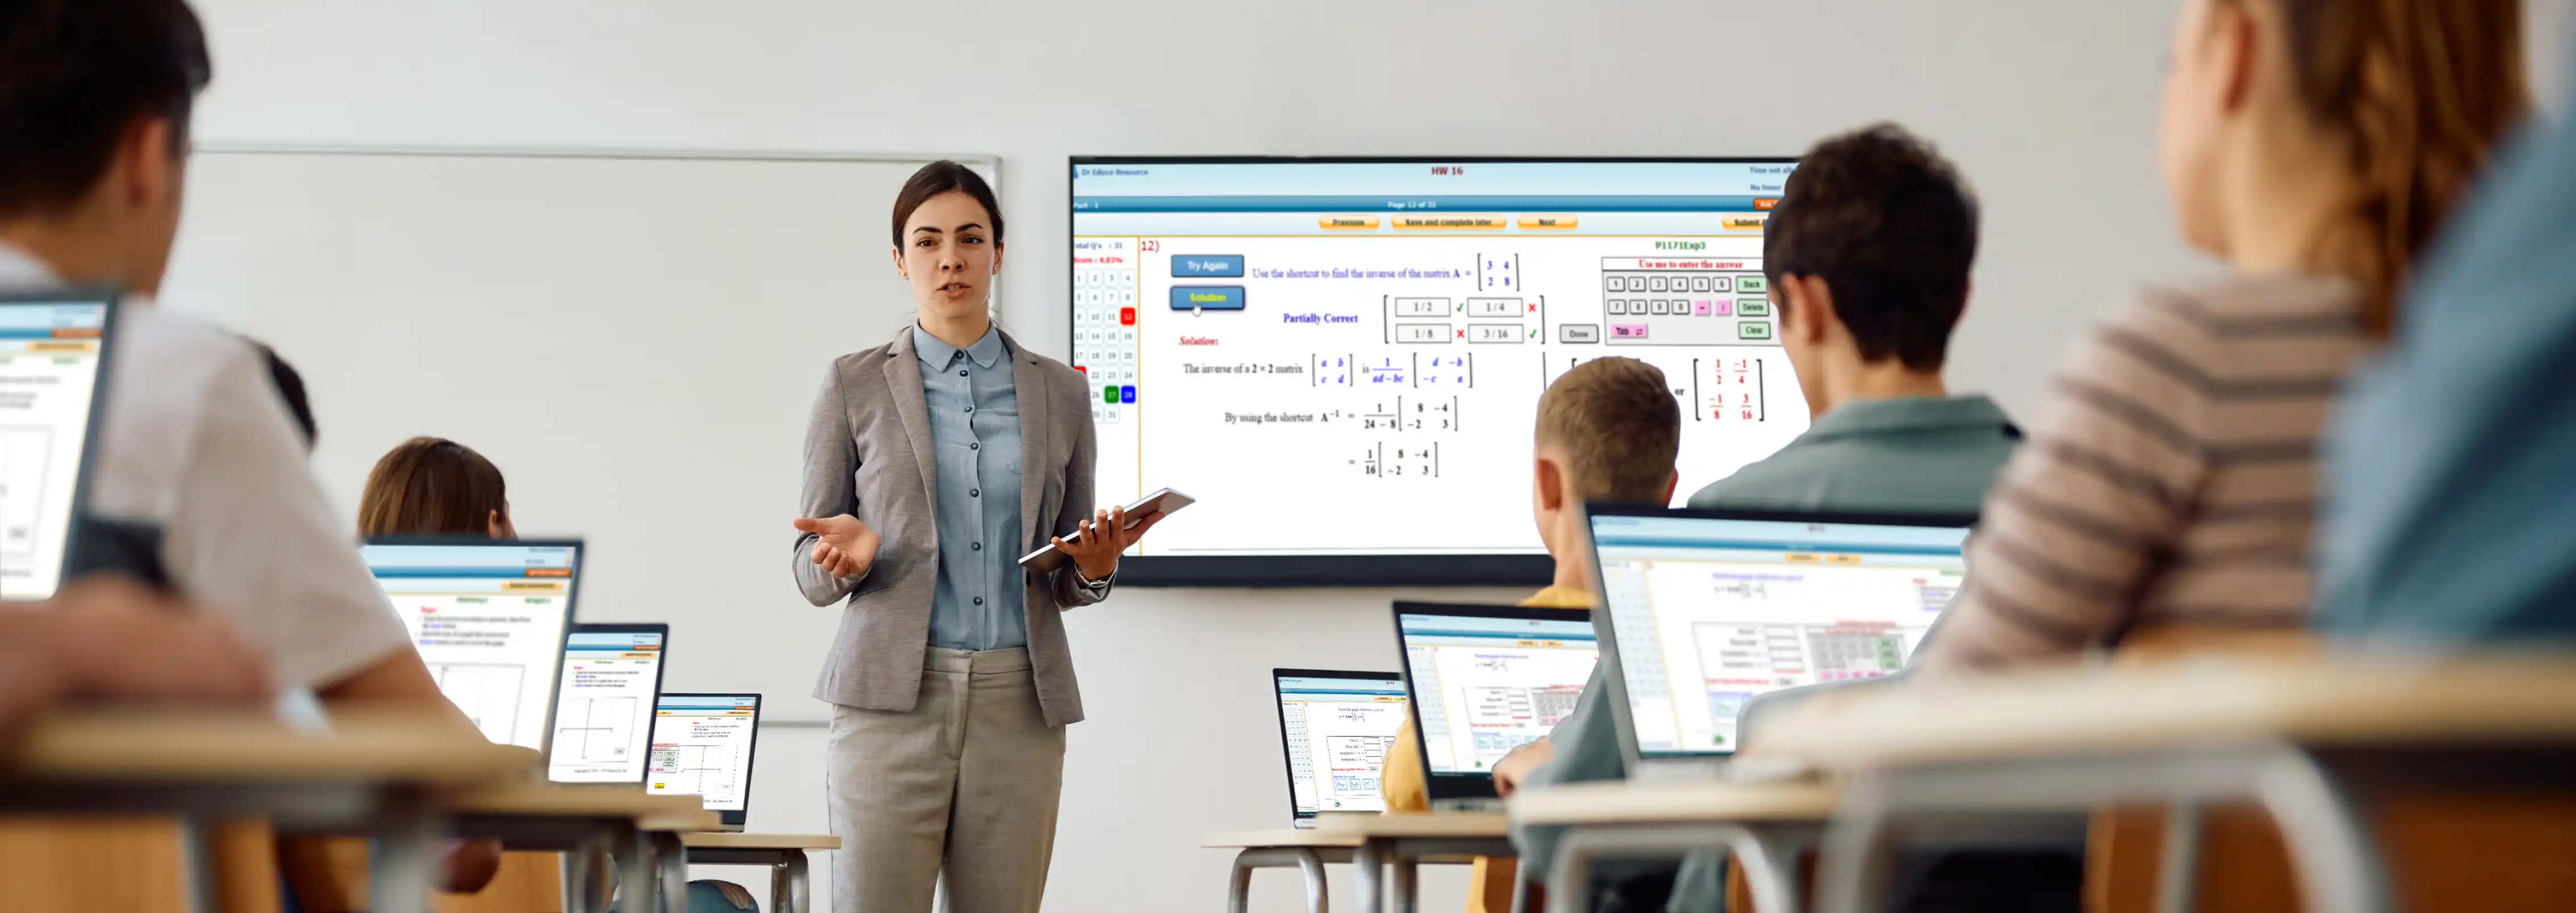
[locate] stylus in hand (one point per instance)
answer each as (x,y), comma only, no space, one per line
(843,546)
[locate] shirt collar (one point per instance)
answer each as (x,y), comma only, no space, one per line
(937,354)
(20,270)
(1910,413)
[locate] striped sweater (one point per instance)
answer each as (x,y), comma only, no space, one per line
(2173,480)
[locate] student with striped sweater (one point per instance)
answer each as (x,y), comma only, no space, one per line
(2313,145)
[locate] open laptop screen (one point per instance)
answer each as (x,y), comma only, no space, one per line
(1708,609)
(702,746)
(604,707)
(489,618)
(52,348)
(1486,679)
(1337,726)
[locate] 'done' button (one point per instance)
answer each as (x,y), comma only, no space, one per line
(1208,266)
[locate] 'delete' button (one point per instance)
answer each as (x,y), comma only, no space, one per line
(1546,222)
(1207,297)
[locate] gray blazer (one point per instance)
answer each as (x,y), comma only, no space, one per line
(868,454)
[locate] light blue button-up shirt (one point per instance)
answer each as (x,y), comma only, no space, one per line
(978,603)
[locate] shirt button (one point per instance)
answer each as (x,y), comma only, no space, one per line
(979,546)
(974,492)
(979,600)
(974,446)
(970,408)
(961,372)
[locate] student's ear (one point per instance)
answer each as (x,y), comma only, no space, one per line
(1672,484)
(2237,39)
(1813,302)
(1551,485)
(498,526)
(997,258)
(899,272)
(151,163)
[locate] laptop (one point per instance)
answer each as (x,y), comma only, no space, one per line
(703,746)
(1336,727)
(54,348)
(1484,680)
(1706,609)
(604,704)
(490,618)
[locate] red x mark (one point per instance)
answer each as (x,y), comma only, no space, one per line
(1462,334)
(1533,308)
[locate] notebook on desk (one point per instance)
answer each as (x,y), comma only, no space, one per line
(490,618)
(54,349)
(605,703)
(1704,610)
(703,745)
(1336,726)
(1485,679)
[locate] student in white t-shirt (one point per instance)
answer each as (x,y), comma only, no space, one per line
(94,111)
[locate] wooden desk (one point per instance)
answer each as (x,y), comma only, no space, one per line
(790,890)
(1766,825)
(1400,842)
(2308,740)
(375,774)
(591,825)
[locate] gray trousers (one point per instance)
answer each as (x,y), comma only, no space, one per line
(962,787)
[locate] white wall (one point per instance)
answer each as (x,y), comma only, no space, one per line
(2048,106)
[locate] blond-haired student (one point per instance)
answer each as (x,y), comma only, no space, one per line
(1608,432)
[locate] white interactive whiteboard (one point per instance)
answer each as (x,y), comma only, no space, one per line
(633,337)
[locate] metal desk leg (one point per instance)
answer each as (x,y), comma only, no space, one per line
(2329,836)
(671,861)
(1572,874)
(800,887)
(1404,891)
(575,868)
(399,871)
(1238,895)
(636,872)
(1370,861)
(2178,861)
(197,839)
(1853,873)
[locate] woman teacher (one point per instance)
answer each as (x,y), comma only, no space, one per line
(932,463)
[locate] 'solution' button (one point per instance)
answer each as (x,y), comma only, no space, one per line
(1208,266)
(1531,223)
(1207,297)
(1347,223)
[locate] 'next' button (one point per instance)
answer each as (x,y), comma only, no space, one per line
(1207,297)
(1220,266)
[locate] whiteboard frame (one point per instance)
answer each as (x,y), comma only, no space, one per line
(986,162)
(989,164)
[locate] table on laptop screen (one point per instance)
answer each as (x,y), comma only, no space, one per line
(1483,686)
(702,747)
(49,359)
(604,708)
(1707,613)
(1338,730)
(489,619)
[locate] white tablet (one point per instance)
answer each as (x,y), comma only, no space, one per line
(1163,501)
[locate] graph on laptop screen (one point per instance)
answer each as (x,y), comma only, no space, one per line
(1380,330)
(50,353)
(1337,731)
(604,706)
(1706,613)
(489,618)
(1485,685)
(702,747)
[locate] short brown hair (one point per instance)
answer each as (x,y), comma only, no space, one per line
(432,486)
(78,74)
(940,177)
(1618,426)
(2421,91)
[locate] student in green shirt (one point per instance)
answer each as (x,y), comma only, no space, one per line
(1868,253)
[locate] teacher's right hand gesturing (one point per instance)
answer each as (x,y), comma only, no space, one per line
(843,546)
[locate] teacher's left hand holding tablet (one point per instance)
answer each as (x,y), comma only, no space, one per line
(843,546)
